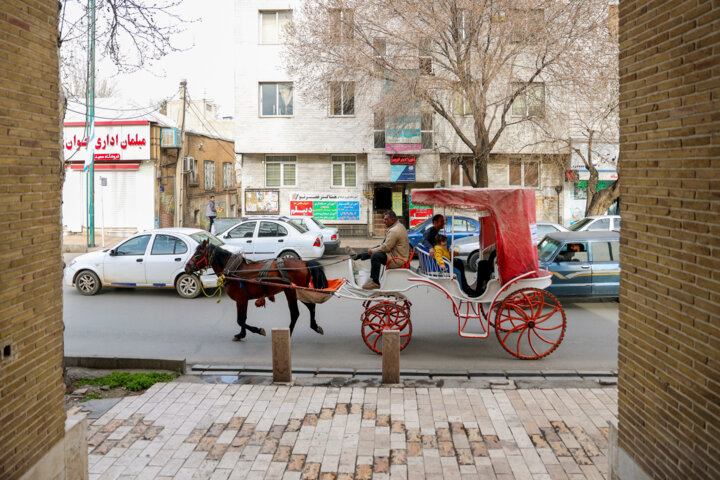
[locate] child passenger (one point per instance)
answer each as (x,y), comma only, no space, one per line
(458,267)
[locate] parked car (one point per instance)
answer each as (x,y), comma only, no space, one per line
(262,238)
(153,259)
(461,227)
(583,264)
(597,223)
(221,225)
(331,237)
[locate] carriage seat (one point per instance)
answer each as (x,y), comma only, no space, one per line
(430,267)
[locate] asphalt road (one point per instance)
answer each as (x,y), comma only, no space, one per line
(160,324)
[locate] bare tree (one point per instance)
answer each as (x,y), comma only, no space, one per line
(481,65)
(585,121)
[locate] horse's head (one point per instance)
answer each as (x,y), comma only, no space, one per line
(200,259)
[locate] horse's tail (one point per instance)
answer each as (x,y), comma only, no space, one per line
(317,274)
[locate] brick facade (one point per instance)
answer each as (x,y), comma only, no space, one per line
(31,328)
(669,349)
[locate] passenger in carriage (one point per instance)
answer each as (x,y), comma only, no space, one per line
(458,267)
(395,247)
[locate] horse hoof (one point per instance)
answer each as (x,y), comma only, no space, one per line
(320,330)
(262,332)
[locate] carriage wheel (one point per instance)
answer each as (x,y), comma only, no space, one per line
(530,323)
(385,316)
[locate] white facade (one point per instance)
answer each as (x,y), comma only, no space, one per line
(312,137)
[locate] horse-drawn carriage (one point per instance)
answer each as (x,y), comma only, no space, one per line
(528,321)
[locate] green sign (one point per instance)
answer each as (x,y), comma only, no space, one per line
(325,210)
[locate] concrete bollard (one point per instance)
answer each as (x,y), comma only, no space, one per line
(281,359)
(390,356)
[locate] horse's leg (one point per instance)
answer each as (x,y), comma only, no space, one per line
(241,303)
(294,310)
(313,323)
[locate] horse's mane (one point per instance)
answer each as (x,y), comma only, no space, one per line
(219,255)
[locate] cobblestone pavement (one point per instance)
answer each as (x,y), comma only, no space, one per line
(204,431)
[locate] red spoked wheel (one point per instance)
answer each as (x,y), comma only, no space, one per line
(530,323)
(385,316)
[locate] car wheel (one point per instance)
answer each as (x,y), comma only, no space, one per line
(472,261)
(289,254)
(87,283)
(188,286)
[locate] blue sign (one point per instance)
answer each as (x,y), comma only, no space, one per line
(348,210)
(402,173)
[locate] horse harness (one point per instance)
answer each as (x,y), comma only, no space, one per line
(231,269)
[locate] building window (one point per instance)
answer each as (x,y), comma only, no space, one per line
(425,64)
(280,171)
(524,173)
(276,99)
(426,130)
(342,99)
(341,24)
(530,102)
(460,104)
(379,130)
(458,176)
(379,52)
(209,175)
(272,26)
(344,171)
(228,180)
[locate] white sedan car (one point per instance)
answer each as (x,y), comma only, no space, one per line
(262,238)
(154,259)
(331,237)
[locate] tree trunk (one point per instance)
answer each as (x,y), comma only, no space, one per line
(601,200)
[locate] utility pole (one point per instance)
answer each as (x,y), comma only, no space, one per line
(90,126)
(179,176)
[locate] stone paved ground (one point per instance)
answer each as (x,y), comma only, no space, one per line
(205,431)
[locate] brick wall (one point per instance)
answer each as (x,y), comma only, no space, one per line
(669,352)
(31,328)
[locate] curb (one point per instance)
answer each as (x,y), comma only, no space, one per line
(115,363)
(604,377)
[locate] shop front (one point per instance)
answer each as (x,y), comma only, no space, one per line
(124,176)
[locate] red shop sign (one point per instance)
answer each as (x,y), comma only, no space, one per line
(402,160)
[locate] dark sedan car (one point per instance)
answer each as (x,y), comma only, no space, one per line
(461,227)
(583,264)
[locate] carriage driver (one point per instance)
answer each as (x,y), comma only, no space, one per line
(395,246)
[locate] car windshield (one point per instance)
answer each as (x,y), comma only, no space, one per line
(202,236)
(317,222)
(546,248)
(576,227)
(297,226)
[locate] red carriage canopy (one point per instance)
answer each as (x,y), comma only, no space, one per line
(512,215)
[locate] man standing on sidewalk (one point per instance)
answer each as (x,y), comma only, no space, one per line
(211,212)
(396,245)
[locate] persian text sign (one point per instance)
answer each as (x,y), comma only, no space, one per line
(402,173)
(324,210)
(122,142)
(303,209)
(402,160)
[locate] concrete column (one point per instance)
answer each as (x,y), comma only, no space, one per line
(281,358)
(391,356)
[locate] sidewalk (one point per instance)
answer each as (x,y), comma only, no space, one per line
(213,431)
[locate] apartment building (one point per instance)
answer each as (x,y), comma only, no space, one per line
(345,164)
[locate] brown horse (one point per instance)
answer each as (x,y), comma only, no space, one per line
(236,270)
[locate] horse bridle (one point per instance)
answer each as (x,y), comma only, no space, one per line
(200,263)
